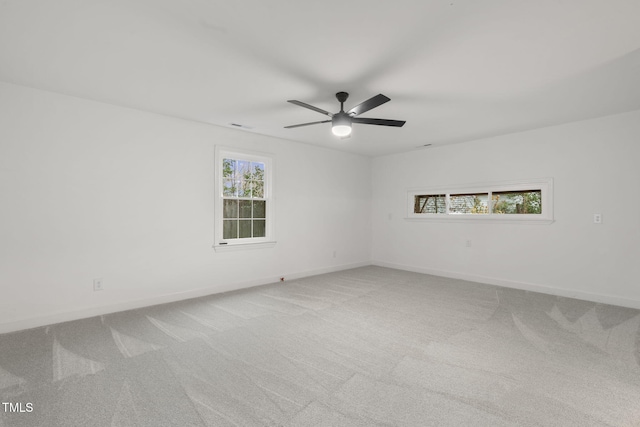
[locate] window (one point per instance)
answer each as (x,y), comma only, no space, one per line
(516,202)
(243,198)
(476,203)
(431,204)
(520,201)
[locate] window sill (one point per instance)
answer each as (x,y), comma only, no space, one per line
(243,246)
(482,218)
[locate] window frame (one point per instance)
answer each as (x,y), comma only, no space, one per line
(220,243)
(545,186)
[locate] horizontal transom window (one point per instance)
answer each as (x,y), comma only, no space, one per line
(524,200)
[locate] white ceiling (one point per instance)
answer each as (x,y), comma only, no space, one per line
(455,70)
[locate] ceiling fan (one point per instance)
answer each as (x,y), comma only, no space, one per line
(341,121)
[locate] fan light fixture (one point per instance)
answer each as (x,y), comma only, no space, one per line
(341,121)
(341,124)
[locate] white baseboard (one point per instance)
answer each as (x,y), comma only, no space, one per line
(550,290)
(332,269)
(66,316)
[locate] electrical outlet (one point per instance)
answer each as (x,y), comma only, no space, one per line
(468,243)
(97,284)
(597,218)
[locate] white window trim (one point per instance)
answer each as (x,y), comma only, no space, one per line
(222,245)
(545,185)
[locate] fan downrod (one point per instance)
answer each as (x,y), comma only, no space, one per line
(342,97)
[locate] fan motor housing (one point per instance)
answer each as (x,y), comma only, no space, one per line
(341,119)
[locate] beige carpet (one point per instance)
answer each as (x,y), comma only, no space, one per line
(364,347)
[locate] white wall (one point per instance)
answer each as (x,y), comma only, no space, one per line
(595,168)
(90,190)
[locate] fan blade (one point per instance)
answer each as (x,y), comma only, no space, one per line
(310,107)
(369,104)
(380,122)
(306,124)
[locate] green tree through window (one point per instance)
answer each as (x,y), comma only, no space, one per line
(517,202)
